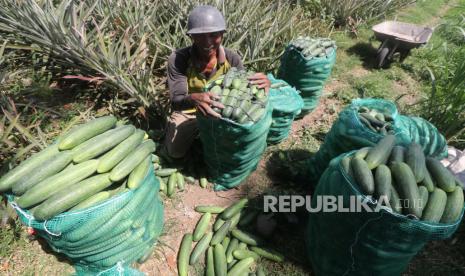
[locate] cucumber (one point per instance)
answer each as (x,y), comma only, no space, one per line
(236,83)
(241,254)
(209,209)
(125,167)
(260,271)
(383,182)
(210,270)
(165,172)
(234,209)
(362,153)
(70,197)
(27,167)
(454,206)
(226,242)
(220,260)
(380,153)
(395,201)
(162,184)
(201,227)
(91,201)
(423,196)
(415,158)
(435,207)
(110,159)
(101,143)
(428,182)
(233,244)
(345,162)
(53,166)
(362,175)
(138,174)
(52,184)
(241,267)
(407,187)
(268,253)
(183,255)
(247,238)
(397,155)
(221,233)
(442,176)
(235,220)
(203,182)
(155,158)
(218,223)
(84,132)
(180,181)
(170,188)
(200,248)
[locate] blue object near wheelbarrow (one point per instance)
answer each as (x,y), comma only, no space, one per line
(400,37)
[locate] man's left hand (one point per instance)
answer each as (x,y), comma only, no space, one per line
(261,80)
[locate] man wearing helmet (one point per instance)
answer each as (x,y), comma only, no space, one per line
(189,70)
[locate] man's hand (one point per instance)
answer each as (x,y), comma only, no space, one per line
(205,101)
(261,80)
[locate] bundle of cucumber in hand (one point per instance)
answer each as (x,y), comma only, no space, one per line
(91,163)
(243,101)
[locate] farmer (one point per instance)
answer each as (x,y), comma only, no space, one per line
(189,70)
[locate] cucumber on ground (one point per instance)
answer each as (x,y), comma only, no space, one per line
(165,172)
(209,209)
(65,199)
(362,175)
(221,233)
(434,209)
(247,238)
(200,248)
(83,132)
(454,206)
(241,254)
(233,245)
(183,255)
(110,159)
(220,260)
(129,163)
(234,209)
(268,253)
(442,176)
(27,167)
(101,143)
(407,187)
(138,174)
(241,267)
(201,227)
(53,166)
(180,181)
(210,270)
(380,153)
(57,182)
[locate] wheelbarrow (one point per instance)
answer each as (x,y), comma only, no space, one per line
(398,37)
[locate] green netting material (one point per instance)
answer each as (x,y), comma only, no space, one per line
(348,133)
(363,243)
(107,238)
(286,104)
(232,151)
(306,75)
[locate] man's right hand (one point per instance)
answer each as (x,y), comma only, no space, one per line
(205,101)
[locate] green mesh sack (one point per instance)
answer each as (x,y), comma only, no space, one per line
(286,104)
(349,133)
(117,231)
(306,75)
(231,150)
(363,243)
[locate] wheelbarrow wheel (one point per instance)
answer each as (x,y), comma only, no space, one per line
(381,58)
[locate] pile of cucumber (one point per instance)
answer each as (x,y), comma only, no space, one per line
(243,101)
(227,249)
(91,163)
(413,184)
(377,121)
(172,180)
(313,47)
